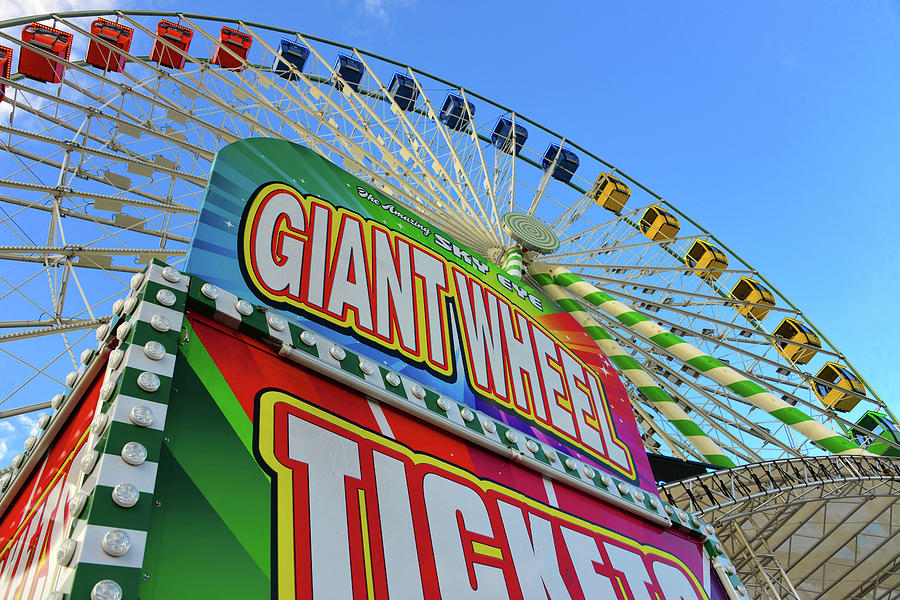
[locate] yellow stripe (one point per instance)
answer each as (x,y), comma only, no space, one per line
(59,472)
(486,550)
(367,551)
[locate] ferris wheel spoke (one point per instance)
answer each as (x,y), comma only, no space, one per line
(111,156)
(456,162)
(37,370)
(121,199)
(617,248)
(436,205)
(357,151)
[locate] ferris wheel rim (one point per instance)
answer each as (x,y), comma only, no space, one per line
(582,192)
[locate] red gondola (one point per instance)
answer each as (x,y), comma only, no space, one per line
(175,35)
(237,42)
(102,56)
(34,65)
(5,67)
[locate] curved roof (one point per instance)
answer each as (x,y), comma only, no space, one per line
(807,528)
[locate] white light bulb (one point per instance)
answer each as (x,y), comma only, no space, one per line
(123,330)
(244,307)
(147,381)
(160,323)
(125,495)
(102,331)
(154,350)
(130,303)
(115,358)
(141,415)
(277,323)
(136,280)
(65,552)
(210,291)
(86,356)
(171,274)
(77,504)
(134,453)
(71,378)
(166,297)
(116,542)
(106,590)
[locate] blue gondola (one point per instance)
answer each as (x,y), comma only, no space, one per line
(454,114)
(503,137)
(350,70)
(404,91)
(290,53)
(566,165)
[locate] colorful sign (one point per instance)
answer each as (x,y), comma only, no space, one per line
(283,225)
(35,521)
(294,481)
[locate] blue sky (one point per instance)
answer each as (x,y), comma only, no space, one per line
(774,125)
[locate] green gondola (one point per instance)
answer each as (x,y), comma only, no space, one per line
(883,430)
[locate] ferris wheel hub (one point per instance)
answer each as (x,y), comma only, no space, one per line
(530,232)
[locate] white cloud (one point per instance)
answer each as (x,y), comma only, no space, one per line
(4,449)
(29,423)
(10,9)
(382,9)
(6,427)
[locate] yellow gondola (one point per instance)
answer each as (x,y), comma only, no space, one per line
(703,255)
(611,192)
(791,330)
(752,292)
(834,393)
(659,224)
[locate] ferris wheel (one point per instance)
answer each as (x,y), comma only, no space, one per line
(110,122)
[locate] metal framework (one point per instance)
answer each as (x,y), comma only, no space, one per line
(105,171)
(807,528)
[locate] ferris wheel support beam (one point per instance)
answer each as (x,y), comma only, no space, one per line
(72,214)
(633,371)
(722,374)
(69,146)
(160,203)
(64,327)
(132,125)
(743,423)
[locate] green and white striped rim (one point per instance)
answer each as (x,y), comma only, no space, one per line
(704,364)
(633,371)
